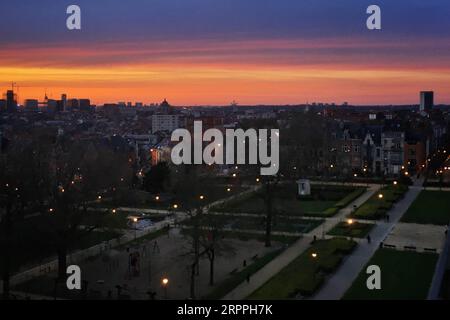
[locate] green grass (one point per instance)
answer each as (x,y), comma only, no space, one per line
(375,208)
(321,203)
(404,275)
(430,207)
(350,198)
(279,223)
(356,229)
(306,274)
(233,281)
(145,200)
(245,236)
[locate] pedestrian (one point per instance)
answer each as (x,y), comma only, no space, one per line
(248,277)
(244,263)
(369,240)
(155,247)
(387,218)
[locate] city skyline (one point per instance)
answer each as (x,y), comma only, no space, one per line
(201,53)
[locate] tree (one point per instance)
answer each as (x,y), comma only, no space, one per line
(211,241)
(21,175)
(157,179)
(79,175)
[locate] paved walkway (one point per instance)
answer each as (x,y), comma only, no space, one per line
(287,256)
(339,282)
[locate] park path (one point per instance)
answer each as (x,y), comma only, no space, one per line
(243,290)
(336,286)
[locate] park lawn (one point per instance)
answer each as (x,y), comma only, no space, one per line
(324,201)
(356,229)
(375,208)
(210,191)
(236,222)
(237,278)
(33,245)
(245,236)
(404,275)
(430,207)
(306,274)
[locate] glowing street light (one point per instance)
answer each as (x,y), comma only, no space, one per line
(114,211)
(202,197)
(228,189)
(257,179)
(99,197)
(395,183)
(175,206)
(350,221)
(135,220)
(157,198)
(164,283)
(380,196)
(314,255)
(234,175)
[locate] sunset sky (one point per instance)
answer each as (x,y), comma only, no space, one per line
(196,52)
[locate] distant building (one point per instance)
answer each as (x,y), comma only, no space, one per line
(11,101)
(31,105)
(64,102)
(73,104)
(164,119)
(165,122)
(415,153)
(393,151)
(165,108)
(52,105)
(426,101)
(84,104)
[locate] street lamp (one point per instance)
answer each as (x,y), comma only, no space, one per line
(228,189)
(350,221)
(314,255)
(165,282)
(395,183)
(175,206)
(157,198)
(114,211)
(135,220)
(202,197)
(380,196)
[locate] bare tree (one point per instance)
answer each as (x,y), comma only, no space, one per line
(79,175)
(21,175)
